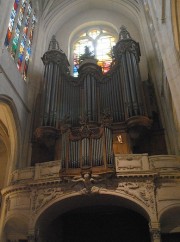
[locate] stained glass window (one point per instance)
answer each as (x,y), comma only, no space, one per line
(99,42)
(20,34)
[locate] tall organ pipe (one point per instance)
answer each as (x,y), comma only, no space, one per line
(56,65)
(89,95)
(127,53)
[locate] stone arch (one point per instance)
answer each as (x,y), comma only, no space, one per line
(170,219)
(9,139)
(72,201)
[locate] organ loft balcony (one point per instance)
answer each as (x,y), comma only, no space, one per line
(126,166)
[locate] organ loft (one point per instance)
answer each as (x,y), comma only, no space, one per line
(85,121)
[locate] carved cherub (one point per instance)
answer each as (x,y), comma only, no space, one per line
(86,181)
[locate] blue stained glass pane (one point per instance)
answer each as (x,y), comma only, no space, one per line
(28,53)
(13,13)
(21,57)
(76,68)
(17,30)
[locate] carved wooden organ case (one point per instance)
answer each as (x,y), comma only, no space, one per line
(84,121)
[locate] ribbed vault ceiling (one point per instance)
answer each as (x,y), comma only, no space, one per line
(57,12)
(49,5)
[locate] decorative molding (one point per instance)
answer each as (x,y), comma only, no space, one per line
(139,189)
(165,163)
(106,118)
(85,131)
(89,183)
(42,197)
(131,162)
(46,187)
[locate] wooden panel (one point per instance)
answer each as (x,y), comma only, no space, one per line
(123,146)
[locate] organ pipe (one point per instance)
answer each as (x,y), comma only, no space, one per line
(56,65)
(127,53)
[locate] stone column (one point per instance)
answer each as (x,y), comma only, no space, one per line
(155,232)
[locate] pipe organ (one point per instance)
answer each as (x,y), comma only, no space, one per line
(83,118)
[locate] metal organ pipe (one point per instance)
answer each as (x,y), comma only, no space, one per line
(55,98)
(52,100)
(127,54)
(120,95)
(46,97)
(132,86)
(108,143)
(115,98)
(50,80)
(43,104)
(139,89)
(128,98)
(90,96)
(56,65)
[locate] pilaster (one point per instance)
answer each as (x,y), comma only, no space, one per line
(155,232)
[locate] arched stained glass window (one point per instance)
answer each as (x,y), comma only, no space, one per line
(99,42)
(20,34)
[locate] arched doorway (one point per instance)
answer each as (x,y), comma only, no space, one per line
(99,223)
(96,217)
(8,139)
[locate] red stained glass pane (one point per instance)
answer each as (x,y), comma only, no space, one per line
(9,34)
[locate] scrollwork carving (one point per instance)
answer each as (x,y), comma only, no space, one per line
(143,191)
(44,196)
(106,118)
(85,131)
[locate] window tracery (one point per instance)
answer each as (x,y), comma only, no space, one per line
(20,33)
(99,42)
